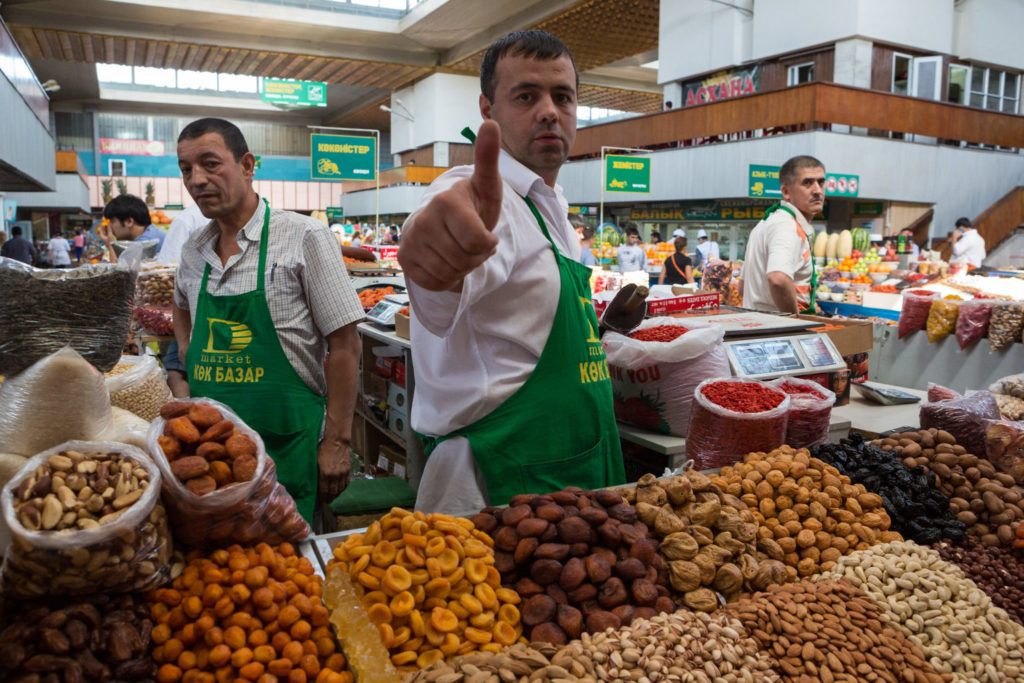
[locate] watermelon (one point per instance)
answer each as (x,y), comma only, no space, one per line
(820,243)
(861,239)
(845,246)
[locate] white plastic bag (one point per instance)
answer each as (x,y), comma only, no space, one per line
(141,388)
(245,512)
(1011,385)
(128,553)
(653,382)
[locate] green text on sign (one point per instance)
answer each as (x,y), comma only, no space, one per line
(335,214)
(298,93)
(342,157)
(763,181)
(627,173)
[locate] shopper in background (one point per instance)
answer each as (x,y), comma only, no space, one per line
(79,242)
(778,269)
(182,227)
(678,268)
(707,250)
(968,244)
(655,237)
(129,221)
(678,232)
(259,297)
(914,249)
(59,251)
(886,247)
(18,248)
(632,256)
(512,388)
(587,257)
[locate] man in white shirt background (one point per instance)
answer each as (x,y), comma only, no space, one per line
(632,256)
(706,250)
(59,251)
(968,244)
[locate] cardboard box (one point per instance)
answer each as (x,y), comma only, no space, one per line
(400,374)
(849,336)
(390,461)
(374,385)
(402,326)
(398,399)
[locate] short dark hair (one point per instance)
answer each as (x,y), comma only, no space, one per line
(125,206)
(680,244)
(577,221)
(530,44)
(631,230)
(15,231)
(963,222)
(787,174)
(588,233)
(229,132)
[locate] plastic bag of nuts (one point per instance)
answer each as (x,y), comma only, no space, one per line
(219,484)
(155,285)
(1005,324)
(85,517)
(139,388)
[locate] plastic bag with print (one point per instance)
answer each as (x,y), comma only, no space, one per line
(653,382)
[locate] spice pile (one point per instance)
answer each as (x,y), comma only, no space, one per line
(733,417)
(659,333)
(742,397)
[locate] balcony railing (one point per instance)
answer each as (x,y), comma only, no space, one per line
(16,68)
(811,106)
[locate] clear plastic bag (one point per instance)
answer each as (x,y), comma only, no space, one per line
(810,411)
(10,465)
(1004,448)
(1011,385)
(653,382)
(719,436)
(129,551)
(1010,407)
(141,389)
(942,318)
(917,304)
(972,324)
(966,418)
(937,392)
(245,512)
(716,277)
(44,309)
(155,285)
(155,320)
(1005,324)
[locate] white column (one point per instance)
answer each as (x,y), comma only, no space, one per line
(852,66)
(434,111)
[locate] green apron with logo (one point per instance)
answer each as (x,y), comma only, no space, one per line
(812,306)
(235,357)
(558,429)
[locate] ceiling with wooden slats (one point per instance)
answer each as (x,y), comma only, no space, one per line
(622,100)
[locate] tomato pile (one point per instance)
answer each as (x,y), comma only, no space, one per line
(742,397)
(661,333)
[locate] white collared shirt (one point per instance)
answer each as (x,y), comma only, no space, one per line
(970,248)
(775,246)
(473,349)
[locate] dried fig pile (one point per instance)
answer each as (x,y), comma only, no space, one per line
(708,539)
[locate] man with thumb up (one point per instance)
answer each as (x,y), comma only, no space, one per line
(512,388)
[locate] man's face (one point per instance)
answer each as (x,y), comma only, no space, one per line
(122,230)
(807,193)
(216,180)
(633,240)
(535,105)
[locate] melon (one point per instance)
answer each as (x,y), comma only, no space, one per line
(861,239)
(832,245)
(844,248)
(820,244)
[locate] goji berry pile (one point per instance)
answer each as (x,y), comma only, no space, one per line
(742,397)
(798,389)
(661,333)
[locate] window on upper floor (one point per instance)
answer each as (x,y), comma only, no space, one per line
(800,73)
(994,89)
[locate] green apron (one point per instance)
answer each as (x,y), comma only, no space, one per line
(235,357)
(814,271)
(558,429)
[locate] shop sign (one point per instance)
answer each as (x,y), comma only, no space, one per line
(173,207)
(580,210)
(868,208)
(711,210)
(294,93)
(149,148)
(335,214)
(342,157)
(724,85)
(763,181)
(627,173)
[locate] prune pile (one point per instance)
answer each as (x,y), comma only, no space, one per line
(919,510)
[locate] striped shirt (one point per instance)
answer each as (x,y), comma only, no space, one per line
(308,289)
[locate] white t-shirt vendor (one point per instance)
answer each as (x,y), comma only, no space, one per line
(778,266)
(512,388)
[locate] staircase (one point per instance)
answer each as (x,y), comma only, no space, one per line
(997,222)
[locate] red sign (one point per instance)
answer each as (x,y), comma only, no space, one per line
(149,148)
(677,304)
(722,86)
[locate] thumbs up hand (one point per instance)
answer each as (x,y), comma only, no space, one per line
(452,235)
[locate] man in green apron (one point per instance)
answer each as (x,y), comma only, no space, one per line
(512,388)
(260,296)
(778,267)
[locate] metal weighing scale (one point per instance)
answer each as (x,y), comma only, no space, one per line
(384,312)
(770,357)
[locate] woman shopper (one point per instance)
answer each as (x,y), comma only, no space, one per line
(678,268)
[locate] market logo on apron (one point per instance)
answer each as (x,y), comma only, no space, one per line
(227,336)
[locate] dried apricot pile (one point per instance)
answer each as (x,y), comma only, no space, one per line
(245,614)
(430,586)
